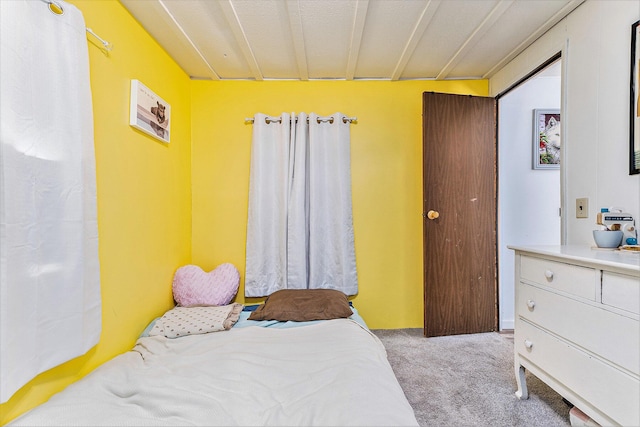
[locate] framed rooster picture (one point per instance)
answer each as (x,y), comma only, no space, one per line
(149,113)
(546,139)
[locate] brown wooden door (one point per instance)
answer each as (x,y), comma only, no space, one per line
(459,168)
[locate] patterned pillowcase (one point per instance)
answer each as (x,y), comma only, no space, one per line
(182,321)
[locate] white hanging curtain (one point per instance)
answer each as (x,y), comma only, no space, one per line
(300,223)
(50,306)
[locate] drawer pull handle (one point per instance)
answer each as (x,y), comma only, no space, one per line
(528,344)
(531,304)
(549,275)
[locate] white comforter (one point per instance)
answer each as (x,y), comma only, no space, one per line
(334,373)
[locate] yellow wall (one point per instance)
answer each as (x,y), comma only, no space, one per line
(386,159)
(144,197)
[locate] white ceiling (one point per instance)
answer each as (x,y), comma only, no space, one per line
(346,39)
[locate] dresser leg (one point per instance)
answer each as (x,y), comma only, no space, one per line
(522,392)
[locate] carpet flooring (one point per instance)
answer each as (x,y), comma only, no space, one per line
(468,380)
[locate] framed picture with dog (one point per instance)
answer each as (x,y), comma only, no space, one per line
(546,139)
(149,113)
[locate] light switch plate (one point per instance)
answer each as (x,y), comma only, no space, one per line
(582,208)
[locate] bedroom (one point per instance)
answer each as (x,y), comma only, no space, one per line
(151,195)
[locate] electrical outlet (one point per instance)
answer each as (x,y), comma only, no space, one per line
(582,208)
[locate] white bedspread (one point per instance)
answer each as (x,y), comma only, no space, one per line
(334,373)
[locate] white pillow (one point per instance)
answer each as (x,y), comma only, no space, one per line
(182,321)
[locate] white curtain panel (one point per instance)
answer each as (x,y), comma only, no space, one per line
(50,305)
(266,261)
(300,224)
(298,209)
(332,259)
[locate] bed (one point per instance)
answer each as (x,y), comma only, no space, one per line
(331,372)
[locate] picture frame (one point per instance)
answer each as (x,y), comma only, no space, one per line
(546,138)
(149,113)
(634,110)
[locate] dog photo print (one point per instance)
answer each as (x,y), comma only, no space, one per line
(149,113)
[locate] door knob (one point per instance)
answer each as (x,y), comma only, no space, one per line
(433,214)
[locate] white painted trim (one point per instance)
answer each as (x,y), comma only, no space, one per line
(507,324)
(564,113)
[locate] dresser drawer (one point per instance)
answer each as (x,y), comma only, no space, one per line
(575,280)
(591,327)
(621,291)
(613,392)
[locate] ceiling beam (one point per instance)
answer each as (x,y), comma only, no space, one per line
(297,35)
(213,75)
(356,37)
(486,24)
(241,38)
(557,17)
(423,22)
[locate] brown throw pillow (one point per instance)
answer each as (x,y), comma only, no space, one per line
(300,305)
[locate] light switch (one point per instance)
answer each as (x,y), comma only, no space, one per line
(582,208)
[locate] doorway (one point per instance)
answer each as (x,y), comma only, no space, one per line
(529,199)
(526,212)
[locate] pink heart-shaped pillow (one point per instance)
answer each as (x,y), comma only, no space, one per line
(193,286)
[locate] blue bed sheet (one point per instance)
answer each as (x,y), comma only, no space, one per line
(244,321)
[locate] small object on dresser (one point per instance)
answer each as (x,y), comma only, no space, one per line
(607,238)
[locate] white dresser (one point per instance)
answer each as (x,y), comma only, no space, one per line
(576,327)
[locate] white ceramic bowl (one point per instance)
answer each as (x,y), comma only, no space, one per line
(607,239)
